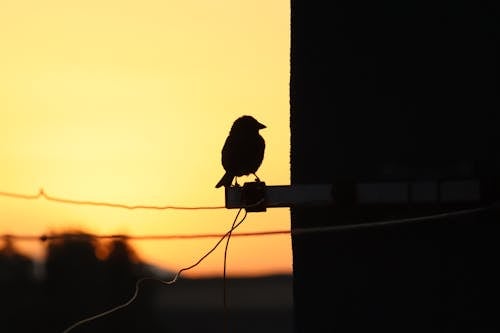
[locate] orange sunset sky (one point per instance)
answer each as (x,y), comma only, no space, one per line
(130,102)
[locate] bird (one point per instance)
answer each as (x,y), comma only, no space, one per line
(243,150)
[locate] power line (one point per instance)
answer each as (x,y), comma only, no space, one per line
(294,231)
(418,219)
(42,194)
(44,238)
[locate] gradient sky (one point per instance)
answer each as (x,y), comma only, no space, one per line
(130,102)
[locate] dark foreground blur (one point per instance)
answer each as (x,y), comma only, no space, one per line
(82,277)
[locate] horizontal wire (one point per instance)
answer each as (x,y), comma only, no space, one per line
(425,218)
(136,237)
(294,231)
(42,194)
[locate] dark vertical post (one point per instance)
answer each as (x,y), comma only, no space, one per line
(395,91)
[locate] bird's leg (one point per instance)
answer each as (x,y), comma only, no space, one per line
(256,177)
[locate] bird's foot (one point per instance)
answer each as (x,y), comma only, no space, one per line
(257,179)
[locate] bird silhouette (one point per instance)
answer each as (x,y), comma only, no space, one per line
(243,150)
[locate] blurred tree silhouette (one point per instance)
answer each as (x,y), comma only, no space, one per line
(15,266)
(85,276)
(79,284)
(122,270)
(17,288)
(73,281)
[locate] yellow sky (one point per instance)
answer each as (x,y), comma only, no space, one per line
(130,102)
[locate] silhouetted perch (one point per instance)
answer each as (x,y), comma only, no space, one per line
(256,196)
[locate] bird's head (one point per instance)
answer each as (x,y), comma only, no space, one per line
(247,124)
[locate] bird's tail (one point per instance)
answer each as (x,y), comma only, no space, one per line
(226,180)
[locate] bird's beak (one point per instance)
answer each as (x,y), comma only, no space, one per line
(261,126)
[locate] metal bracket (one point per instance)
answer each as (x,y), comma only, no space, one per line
(256,196)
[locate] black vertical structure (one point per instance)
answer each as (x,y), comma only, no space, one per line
(395,91)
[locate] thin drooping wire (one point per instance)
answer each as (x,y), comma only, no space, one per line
(41,194)
(224,282)
(172,281)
